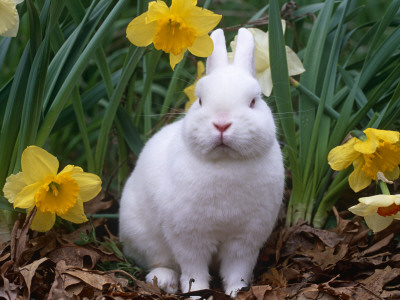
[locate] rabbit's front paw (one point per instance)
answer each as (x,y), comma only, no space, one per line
(167,279)
(234,289)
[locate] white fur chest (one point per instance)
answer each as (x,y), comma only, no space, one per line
(220,198)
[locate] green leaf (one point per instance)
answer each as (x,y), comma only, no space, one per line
(74,75)
(4,46)
(32,109)
(5,205)
(12,117)
(312,63)
(130,132)
(282,94)
(35,28)
(128,69)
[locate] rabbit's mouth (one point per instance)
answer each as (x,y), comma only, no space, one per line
(224,147)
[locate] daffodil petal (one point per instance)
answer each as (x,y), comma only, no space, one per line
(378,200)
(362,209)
(89,185)
(202,46)
(179,7)
(202,20)
(72,170)
(340,157)
(174,59)
(200,69)
(393,175)
(261,51)
(397,199)
(9,19)
(26,197)
(283,22)
(139,32)
(368,146)
(295,66)
(157,10)
(190,93)
(43,222)
(230,57)
(37,163)
(14,184)
(76,214)
(265,80)
(378,223)
(13,31)
(386,135)
(357,179)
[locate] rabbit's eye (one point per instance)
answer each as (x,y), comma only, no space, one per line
(252,103)
(200,101)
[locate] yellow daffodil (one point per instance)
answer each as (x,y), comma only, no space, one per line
(262,63)
(9,19)
(378,211)
(174,29)
(190,90)
(39,185)
(378,152)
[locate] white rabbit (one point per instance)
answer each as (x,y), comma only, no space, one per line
(207,188)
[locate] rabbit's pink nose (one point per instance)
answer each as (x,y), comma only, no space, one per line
(222,127)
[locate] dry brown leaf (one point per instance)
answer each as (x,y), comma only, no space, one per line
(28,272)
(395,294)
(246,295)
(97,204)
(57,287)
(380,278)
(95,280)
(317,295)
(340,292)
(329,238)
(203,294)
(328,257)
(378,245)
(5,257)
(76,256)
(19,237)
(72,285)
(3,247)
(9,290)
(260,291)
(41,245)
(275,278)
(74,236)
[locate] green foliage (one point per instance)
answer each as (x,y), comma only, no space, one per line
(342,89)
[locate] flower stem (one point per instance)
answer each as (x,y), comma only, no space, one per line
(384,188)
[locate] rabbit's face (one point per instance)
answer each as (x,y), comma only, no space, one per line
(229,119)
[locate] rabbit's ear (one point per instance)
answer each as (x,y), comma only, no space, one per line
(219,56)
(244,52)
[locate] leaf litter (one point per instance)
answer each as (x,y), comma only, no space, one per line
(301,262)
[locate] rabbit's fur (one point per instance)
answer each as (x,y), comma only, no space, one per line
(208,187)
